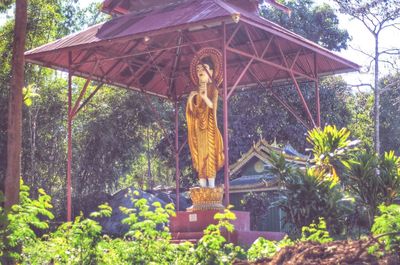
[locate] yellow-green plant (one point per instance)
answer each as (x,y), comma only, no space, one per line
(17,229)
(386,230)
(330,147)
(212,248)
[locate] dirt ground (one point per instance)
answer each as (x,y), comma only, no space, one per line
(337,252)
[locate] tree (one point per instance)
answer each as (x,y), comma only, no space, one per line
(360,105)
(376,16)
(14,134)
(390,109)
(317,23)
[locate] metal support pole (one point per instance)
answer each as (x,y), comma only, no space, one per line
(225,118)
(69,151)
(177,171)
(317,92)
(318,103)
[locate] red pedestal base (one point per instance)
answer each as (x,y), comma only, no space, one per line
(186,226)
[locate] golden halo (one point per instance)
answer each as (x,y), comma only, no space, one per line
(216,58)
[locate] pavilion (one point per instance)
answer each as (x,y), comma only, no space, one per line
(148,45)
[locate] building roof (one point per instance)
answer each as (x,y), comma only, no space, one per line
(150,50)
(261,150)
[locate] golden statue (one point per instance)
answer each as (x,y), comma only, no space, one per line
(204,137)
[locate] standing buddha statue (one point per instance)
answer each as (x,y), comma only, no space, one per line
(204,138)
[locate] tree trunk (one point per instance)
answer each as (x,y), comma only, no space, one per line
(13,173)
(377,97)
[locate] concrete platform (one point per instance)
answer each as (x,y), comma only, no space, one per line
(189,226)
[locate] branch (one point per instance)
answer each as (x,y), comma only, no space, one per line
(392,51)
(389,86)
(394,25)
(386,234)
(371,29)
(363,52)
(360,85)
(391,63)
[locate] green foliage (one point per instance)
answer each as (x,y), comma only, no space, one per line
(370,187)
(318,23)
(263,248)
(360,105)
(330,148)
(212,248)
(316,232)
(313,191)
(308,195)
(389,119)
(146,242)
(386,229)
(18,225)
(389,176)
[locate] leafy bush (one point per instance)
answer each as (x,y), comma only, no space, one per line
(82,242)
(73,242)
(18,224)
(386,228)
(212,248)
(308,195)
(263,248)
(316,232)
(373,180)
(330,147)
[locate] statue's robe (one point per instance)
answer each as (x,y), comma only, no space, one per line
(204,138)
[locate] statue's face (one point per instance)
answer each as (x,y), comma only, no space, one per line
(202,73)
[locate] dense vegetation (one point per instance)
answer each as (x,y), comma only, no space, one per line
(118,141)
(318,210)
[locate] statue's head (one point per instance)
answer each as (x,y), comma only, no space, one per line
(209,60)
(204,70)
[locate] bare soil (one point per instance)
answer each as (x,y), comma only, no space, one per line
(337,252)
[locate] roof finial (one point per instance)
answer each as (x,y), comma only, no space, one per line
(274,143)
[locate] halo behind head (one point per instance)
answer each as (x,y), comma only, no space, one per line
(213,58)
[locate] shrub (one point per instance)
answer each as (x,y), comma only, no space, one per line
(386,229)
(17,229)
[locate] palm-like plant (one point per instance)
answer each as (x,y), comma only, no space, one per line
(330,148)
(373,179)
(307,194)
(389,177)
(362,181)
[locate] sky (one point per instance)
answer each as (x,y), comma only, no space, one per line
(361,40)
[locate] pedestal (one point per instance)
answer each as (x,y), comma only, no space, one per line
(205,198)
(189,226)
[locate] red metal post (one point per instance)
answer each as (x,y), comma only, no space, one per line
(69,155)
(177,171)
(317,92)
(318,103)
(225,119)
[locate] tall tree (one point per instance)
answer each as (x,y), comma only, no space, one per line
(376,16)
(14,128)
(318,23)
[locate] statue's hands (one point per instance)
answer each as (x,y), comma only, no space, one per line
(190,99)
(204,96)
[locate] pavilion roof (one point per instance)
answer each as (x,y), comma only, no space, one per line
(151,50)
(262,150)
